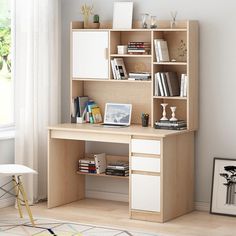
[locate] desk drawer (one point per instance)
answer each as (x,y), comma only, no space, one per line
(146,146)
(146,164)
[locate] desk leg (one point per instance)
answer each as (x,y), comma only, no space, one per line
(64,185)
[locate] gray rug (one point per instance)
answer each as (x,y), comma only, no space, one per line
(49,227)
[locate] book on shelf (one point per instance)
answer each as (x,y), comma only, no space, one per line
(139,76)
(119,168)
(172,125)
(87,165)
(183,85)
(161,49)
(173,83)
(97,116)
(166,84)
(113,69)
(120,68)
(139,48)
(100,162)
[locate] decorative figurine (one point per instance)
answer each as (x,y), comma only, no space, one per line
(86,11)
(173,118)
(164,111)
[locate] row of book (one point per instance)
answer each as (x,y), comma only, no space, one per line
(171,125)
(161,49)
(97,164)
(87,109)
(139,48)
(167,84)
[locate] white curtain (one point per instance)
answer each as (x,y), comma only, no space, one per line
(37,86)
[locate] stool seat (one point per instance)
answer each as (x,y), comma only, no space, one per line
(15,169)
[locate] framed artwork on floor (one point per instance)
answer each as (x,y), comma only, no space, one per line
(223,194)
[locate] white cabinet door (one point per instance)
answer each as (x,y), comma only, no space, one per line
(145,192)
(89,55)
(146,146)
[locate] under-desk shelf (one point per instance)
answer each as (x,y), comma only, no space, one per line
(103,175)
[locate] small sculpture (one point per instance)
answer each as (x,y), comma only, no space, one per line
(173,118)
(164,118)
(86,11)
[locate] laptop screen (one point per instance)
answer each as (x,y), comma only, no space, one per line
(117,113)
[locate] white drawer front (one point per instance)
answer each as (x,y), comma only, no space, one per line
(145,192)
(145,146)
(146,164)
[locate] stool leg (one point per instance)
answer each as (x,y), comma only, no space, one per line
(25,200)
(17,195)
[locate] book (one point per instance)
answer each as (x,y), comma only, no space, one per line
(113,69)
(183,85)
(165,85)
(120,68)
(173,83)
(160,84)
(87,161)
(83,100)
(100,162)
(163,50)
(97,116)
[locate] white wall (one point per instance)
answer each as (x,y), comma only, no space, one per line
(6,157)
(217,132)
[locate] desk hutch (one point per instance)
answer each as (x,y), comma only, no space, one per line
(161,180)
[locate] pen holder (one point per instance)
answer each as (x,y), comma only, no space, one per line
(145,119)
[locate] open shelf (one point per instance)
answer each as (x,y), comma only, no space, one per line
(113,80)
(131,55)
(173,98)
(103,175)
(171,63)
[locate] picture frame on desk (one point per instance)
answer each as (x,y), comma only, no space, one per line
(223,194)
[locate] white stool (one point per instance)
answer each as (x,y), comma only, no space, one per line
(16,171)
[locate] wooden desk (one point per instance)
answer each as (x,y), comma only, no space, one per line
(161,167)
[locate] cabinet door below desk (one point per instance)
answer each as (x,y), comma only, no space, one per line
(145,192)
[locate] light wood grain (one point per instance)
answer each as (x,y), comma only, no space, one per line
(178,175)
(64,185)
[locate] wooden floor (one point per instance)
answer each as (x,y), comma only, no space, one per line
(115,214)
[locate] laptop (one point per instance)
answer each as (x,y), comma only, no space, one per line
(117,115)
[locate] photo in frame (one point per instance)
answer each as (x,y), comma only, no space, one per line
(122,15)
(223,194)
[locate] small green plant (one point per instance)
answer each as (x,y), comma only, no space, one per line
(96,18)
(182,51)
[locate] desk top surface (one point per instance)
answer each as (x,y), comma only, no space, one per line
(131,130)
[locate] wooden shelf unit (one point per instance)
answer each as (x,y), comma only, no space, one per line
(141,93)
(103,175)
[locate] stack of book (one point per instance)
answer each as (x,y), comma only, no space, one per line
(172,125)
(139,76)
(87,165)
(161,49)
(167,84)
(118,69)
(119,168)
(139,48)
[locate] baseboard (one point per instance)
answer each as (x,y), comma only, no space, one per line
(202,206)
(107,196)
(6,202)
